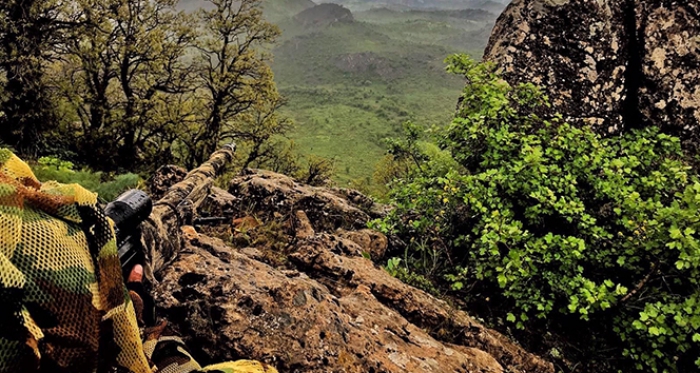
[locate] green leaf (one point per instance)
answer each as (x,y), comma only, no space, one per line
(675,233)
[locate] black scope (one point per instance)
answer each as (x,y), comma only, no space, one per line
(129,210)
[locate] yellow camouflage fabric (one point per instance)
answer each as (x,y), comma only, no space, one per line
(63,303)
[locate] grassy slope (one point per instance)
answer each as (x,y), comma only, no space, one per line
(344,109)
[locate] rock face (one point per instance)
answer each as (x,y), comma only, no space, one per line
(325,307)
(669,32)
(611,64)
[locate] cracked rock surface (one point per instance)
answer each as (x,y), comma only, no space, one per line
(327,307)
(612,64)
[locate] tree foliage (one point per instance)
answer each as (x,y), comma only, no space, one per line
(133,84)
(232,74)
(588,240)
(126,80)
(29,30)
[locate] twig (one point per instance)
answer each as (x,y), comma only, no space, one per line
(641,284)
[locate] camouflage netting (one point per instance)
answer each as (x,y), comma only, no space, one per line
(65,307)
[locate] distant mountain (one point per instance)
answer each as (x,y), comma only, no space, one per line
(492,6)
(323,15)
(277,10)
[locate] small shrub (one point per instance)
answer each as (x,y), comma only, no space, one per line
(107,188)
(395,269)
(318,170)
(593,239)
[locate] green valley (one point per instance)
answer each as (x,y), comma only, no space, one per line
(351,80)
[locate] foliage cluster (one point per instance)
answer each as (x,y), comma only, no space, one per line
(591,242)
(107,187)
(132,84)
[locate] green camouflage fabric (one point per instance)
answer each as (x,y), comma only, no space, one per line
(65,307)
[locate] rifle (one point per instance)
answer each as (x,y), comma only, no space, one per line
(177,207)
(127,212)
(131,210)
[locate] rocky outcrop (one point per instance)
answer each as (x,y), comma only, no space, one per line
(271,195)
(573,48)
(669,33)
(325,306)
(611,64)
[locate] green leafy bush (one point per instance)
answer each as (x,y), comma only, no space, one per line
(107,188)
(591,239)
(396,269)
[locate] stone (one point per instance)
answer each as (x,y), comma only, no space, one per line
(303,228)
(344,315)
(669,93)
(578,55)
(614,65)
(272,193)
(299,293)
(218,203)
(371,242)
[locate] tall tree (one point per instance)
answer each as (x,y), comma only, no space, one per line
(234,75)
(128,80)
(260,130)
(29,30)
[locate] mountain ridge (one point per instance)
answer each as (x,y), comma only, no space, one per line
(488,5)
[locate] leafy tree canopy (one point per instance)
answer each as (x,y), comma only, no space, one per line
(133,84)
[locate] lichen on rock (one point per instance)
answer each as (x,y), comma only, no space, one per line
(326,307)
(614,65)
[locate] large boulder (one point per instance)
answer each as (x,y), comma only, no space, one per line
(669,96)
(333,314)
(267,193)
(611,64)
(576,49)
(314,300)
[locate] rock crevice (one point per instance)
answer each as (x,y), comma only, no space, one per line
(320,304)
(613,65)
(634,76)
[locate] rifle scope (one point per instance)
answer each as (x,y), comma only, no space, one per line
(127,212)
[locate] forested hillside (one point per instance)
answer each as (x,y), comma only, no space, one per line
(351,81)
